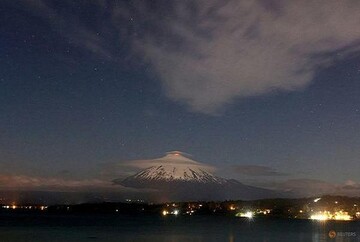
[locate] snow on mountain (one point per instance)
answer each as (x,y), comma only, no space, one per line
(171,173)
(175,166)
(177,177)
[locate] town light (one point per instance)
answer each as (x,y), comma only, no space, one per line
(247,214)
(319,216)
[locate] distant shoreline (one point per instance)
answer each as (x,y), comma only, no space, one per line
(321,208)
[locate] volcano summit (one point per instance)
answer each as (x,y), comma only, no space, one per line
(177,177)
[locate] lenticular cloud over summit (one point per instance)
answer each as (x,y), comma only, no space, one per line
(172,158)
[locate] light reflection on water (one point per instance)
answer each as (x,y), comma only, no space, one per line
(181,229)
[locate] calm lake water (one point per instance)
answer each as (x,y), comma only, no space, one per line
(17,227)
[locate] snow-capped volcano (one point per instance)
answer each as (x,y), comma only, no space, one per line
(175,166)
(177,177)
(173,173)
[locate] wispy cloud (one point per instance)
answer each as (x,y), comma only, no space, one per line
(257,170)
(208,53)
(71,26)
(25,182)
(215,51)
(314,187)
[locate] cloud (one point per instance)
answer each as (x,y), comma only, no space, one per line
(71,26)
(256,170)
(25,182)
(176,158)
(352,186)
(314,187)
(209,53)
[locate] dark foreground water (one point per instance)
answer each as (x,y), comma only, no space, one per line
(21,227)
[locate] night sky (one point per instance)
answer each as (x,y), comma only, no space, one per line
(267,92)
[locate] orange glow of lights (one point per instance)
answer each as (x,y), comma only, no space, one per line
(321,217)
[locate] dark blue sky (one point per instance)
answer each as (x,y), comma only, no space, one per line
(78,94)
